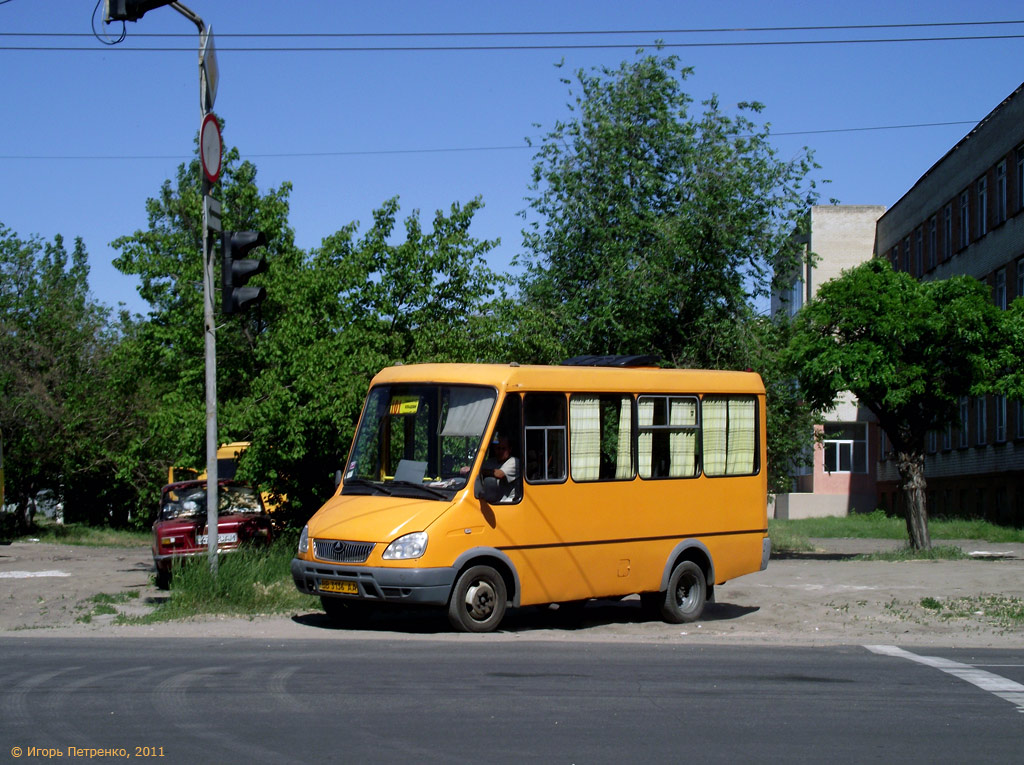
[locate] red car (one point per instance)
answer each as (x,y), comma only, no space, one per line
(181,531)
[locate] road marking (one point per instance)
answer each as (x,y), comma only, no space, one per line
(987,681)
(30,574)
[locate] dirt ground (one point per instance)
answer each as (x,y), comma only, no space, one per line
(819,598)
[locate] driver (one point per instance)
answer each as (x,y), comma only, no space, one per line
(503,466)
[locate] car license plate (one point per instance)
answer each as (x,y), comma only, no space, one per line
(345,588)
(222,539)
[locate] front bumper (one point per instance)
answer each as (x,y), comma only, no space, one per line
(427,586)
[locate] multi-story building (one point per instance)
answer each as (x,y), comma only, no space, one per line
(842,474)
(966,216)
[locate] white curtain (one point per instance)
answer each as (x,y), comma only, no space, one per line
(682,444)
(645,440)
(585,438)
(742,430)
(716,422)
(623,461)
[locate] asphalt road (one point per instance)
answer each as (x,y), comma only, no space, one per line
(441,701)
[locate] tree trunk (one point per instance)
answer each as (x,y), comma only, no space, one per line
(913,484)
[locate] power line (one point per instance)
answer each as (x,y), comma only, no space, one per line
(507,48)
(382,152)
(540,33)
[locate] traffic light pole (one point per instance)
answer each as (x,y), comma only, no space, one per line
(210,334)
(209,328)
(133,10)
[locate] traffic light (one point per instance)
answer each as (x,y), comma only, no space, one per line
(236,270)
(129,10)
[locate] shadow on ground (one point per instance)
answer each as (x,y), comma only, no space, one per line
(571,618)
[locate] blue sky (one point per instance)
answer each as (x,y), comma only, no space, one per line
(88,135)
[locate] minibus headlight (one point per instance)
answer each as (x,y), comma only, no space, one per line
(304,540)
(407,547)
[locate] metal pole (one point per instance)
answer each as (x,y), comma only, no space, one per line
(211,390)
(209,328)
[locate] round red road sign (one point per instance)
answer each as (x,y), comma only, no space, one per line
(210,147)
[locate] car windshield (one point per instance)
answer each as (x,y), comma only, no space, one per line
(190,502)
(418,440)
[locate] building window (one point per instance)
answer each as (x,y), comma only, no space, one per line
(981,424)
(964,410)
(965,219)
(933,230)
(933,441)
(894,258)
(1000,407)
(1000,200)
(1020,177)
(919,252)
(947,437)
(1020,419)
(1000,289)
(982,188)
(905,265)
(846,447)
(795,296)
(1020,278)
(947,232)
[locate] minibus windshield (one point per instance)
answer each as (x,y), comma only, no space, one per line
(418,440)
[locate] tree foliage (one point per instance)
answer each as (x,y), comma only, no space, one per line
(908,351)
(65,409)
(355,305)
(655,227)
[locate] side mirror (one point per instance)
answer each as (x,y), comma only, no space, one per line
(337,478)
(487,489)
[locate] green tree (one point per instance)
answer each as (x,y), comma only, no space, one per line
(62,414)
(166,348)
(356,305)
(908,351)
(654,227)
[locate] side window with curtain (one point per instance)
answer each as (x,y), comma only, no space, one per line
(667,429)
(545,429)
(730,435)
(601,437)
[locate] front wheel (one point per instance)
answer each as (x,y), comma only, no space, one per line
(478,600)
(684,599)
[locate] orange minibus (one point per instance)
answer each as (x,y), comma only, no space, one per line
(479,487)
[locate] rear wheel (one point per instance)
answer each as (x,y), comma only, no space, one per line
(478,600)
(684,599)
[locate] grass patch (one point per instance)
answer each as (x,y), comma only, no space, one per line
(937,552)
(995,610)
(794,535)
(248,582)
(89,536)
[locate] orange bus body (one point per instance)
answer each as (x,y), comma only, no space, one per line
(562,538)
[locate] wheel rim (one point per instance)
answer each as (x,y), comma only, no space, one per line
(480,600)
(687,594)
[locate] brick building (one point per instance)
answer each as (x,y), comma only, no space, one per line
(965,215)
(842,476)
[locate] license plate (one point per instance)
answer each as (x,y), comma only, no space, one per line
(222,539)
(345,588)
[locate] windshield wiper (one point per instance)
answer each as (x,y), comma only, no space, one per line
(432,491)
(358,483)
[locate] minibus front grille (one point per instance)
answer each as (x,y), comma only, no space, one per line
(342,552)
